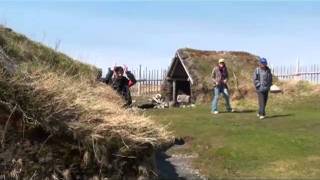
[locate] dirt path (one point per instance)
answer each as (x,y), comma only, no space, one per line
(177,166)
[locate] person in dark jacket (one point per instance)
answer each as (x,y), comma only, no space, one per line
(220,78)
(99,76)
(121,80)
(262,79)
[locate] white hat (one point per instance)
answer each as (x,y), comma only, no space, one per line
(221,60)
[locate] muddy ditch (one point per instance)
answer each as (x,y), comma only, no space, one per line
(173,165)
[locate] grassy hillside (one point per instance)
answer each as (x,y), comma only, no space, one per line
(57,121)
(20,49)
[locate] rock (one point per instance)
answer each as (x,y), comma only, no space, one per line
(67,174)
(183,99)
(275,89)
(172,104)
(86,158)
(95,178)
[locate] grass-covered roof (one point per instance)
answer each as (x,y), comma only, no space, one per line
(200,63)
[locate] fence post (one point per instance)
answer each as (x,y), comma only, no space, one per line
(309,73)
(158,84)
(149,81)
(318,71)
(146,82)
(297,76)
(139,85)
(174,91)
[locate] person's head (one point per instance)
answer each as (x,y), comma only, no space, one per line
(263,62)
(221,63)
(118,71)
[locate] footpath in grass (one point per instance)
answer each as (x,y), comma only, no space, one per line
(239,145)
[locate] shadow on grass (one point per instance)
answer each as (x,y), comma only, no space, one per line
(238,111)
(279,115)
(245,111)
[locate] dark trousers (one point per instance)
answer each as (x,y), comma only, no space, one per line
(127,96)
(262,99)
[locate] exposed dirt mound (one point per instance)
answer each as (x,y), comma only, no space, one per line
(56,121)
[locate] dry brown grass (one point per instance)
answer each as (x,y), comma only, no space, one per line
(98,107)
(294,88)
(62,97)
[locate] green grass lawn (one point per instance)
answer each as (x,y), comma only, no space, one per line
(238,145)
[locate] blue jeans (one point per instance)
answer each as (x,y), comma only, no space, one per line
(217,91)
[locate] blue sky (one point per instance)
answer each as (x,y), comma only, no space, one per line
(149,32)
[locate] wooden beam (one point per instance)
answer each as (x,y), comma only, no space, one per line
(174,91)
(175,63)
(191,94)
(185,68)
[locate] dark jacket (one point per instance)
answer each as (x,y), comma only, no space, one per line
(262,79)
(121,85)
(218,76)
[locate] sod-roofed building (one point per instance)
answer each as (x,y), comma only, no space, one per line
(190,73)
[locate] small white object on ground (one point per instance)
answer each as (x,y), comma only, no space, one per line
(215,112)
(183,98)
(275,89)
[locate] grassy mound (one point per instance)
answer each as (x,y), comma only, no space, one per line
(57,121)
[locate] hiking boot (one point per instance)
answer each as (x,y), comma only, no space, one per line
(214,112)
(258,115)
(262,117)
(230,110)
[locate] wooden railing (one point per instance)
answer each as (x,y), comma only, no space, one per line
(309,73)
(149,81)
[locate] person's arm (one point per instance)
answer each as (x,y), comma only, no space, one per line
(270,79)
(132,79)
(256,79)
(227,77)
(213,76)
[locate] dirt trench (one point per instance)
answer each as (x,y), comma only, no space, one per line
(177,166)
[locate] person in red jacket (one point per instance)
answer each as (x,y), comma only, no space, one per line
(121,80)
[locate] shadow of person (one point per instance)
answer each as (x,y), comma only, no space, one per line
(279,115)
(245,111)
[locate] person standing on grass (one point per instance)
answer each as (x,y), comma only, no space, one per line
(220,79)
(121,80)
(262,79)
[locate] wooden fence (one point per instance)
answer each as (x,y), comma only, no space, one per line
(309,73)
(149,81)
